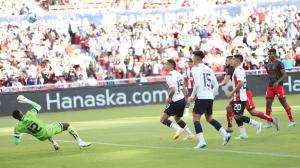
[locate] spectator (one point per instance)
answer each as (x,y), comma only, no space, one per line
(91,81)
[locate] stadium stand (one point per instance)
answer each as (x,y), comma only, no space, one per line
(40,55)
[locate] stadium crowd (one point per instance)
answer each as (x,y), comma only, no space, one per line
(39,55)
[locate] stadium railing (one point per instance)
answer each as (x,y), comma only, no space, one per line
(149,79)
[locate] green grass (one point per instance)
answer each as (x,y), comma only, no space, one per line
(133,137)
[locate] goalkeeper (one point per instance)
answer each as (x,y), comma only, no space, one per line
(30,124)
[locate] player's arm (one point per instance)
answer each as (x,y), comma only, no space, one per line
(171,90)
(35,106)
(237,88)
(17,137)
(283,73)
(225,80)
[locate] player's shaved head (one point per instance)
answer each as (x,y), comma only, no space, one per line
(229,57)
(17,114)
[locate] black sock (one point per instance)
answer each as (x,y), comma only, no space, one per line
(239,121)
(245,119)
(181,123)
(167,122)
(216,124)
(198,127)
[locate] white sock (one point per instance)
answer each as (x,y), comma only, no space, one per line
(187,131)
(201,137)
(223,132)
(175,127)
(242,130)
(253,122)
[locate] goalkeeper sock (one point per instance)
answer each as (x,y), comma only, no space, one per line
(74,134)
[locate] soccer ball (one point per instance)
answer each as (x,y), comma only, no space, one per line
(31,17)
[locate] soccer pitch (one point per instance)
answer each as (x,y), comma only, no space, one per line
(134,137)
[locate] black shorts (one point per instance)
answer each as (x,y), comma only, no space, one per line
(176,108)
(203,106)
(238,107)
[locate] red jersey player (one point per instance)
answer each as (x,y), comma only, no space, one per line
(229,69)
(276,75)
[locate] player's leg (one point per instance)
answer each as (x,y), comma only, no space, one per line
(238,109)
(264,116)
(270,94)
(198,110)
(180,107)
(251,108)
(288,110)
(215,123)
(229,117)
(198,130)
(185,127)
(74,134)
(54,143)
(164,119)
(280,92)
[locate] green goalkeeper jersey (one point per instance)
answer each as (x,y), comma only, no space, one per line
(30,124)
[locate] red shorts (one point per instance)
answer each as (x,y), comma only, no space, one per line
(249,104)
(272,91)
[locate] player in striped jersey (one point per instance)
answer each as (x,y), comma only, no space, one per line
(189,83)
(240,97)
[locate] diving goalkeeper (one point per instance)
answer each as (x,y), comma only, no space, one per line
(30,124)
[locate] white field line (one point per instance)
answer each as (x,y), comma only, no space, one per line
(191,149)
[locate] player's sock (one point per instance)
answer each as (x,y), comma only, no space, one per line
(183,125)
(175,127)
(74,134)
(216,124)
(288,110)
(269,112)
(198,127)
(229,116)
(200,137)
(253,122)
(167,122)
(242,130)
(187,131)
(223,132)
(264,116)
